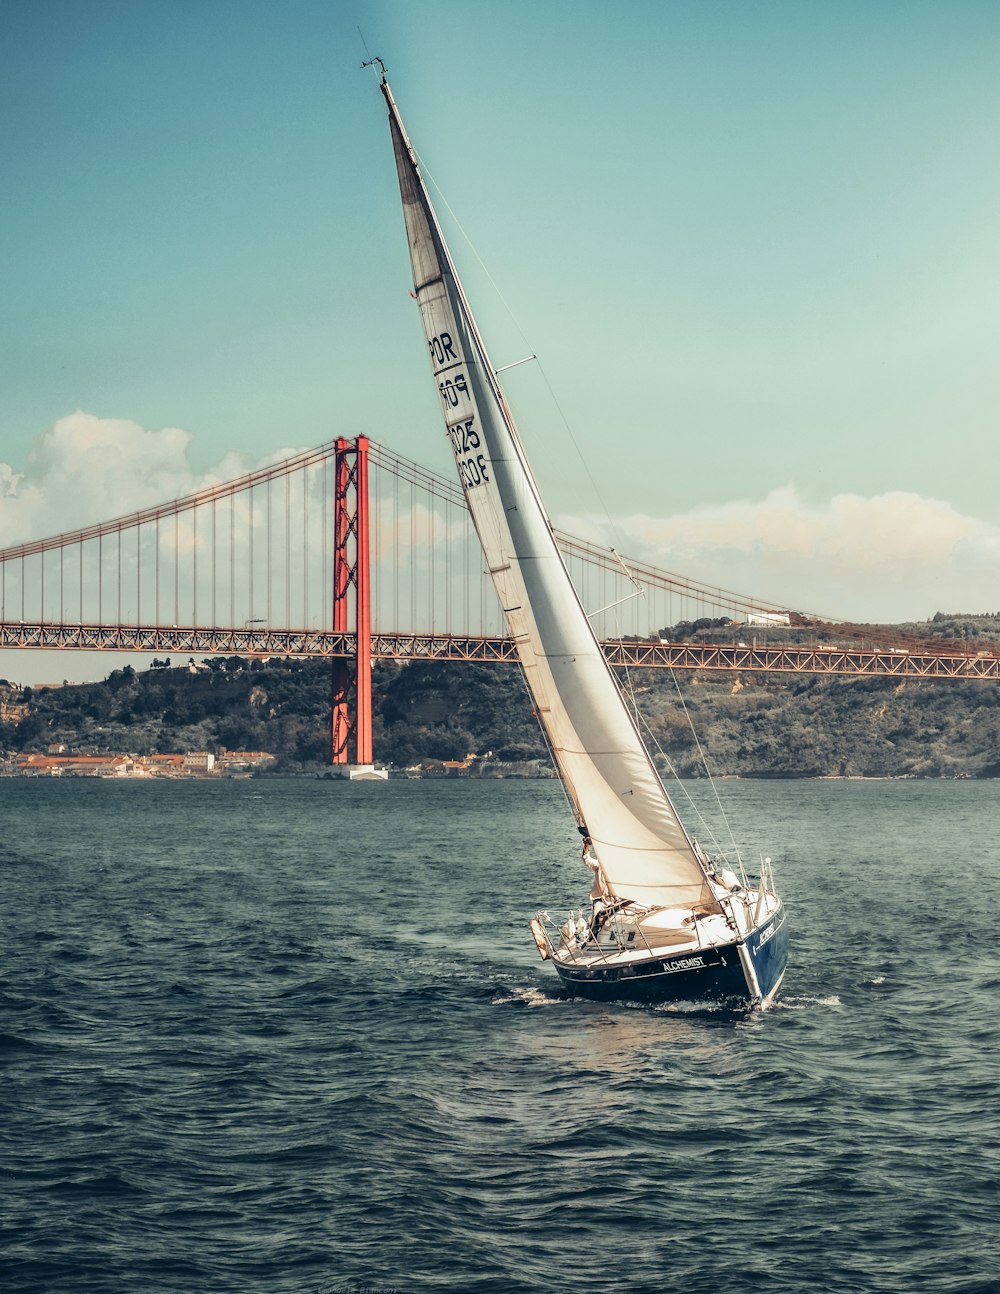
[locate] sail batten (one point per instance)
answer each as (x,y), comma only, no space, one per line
(644,852)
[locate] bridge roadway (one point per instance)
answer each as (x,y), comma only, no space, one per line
(313,644)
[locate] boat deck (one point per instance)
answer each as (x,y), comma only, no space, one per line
(663,932)
(636,942)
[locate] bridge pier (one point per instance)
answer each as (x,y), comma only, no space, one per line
(351,696)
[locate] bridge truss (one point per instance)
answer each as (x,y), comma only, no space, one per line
(620,652)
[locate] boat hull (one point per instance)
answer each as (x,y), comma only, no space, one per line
(713,975)
(768,949)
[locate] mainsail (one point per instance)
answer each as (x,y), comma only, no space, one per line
(644,852)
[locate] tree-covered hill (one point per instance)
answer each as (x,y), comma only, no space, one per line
(422,710)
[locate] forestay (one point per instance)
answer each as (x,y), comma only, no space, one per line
(644,851)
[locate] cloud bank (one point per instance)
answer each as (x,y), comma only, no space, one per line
(85,469)
(893,557)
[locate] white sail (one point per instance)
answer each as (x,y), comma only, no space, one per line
(644,852)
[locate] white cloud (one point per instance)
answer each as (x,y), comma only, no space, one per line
(85,469)
(895,556)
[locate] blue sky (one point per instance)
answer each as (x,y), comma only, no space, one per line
(753,244)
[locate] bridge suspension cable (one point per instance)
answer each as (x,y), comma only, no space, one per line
(257,550)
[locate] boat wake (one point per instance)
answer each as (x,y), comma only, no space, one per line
(528,997)
(695,1008)
(804,1002)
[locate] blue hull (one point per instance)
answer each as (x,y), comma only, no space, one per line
(713,975)
(768,948)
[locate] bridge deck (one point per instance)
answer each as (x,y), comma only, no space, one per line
(634,653)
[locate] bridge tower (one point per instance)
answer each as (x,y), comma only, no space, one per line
(351,737)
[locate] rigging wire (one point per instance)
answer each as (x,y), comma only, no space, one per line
(704,764)
(544,375)
(682,789)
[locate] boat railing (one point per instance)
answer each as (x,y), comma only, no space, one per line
(766,884)
(712,863)
(642,935)
(571,943)
(592,943)
(591,948)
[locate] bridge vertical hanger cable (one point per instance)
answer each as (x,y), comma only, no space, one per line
(305,551)
(444,607)
(177,567)
(324,548)
(395,553)
(413,551)
(215,618)
(155,572)
(375,543)
(194,567)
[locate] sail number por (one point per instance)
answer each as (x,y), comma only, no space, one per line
(442,348)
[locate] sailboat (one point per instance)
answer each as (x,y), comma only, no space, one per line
(666,921)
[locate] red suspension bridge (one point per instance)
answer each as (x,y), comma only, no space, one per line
(353,553)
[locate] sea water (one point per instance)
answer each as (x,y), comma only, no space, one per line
(267,1036)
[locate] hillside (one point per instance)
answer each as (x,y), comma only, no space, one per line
(283,706)
(751,724)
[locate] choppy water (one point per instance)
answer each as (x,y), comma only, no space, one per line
(294,1036)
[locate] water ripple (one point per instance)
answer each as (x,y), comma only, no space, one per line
(324,1055)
